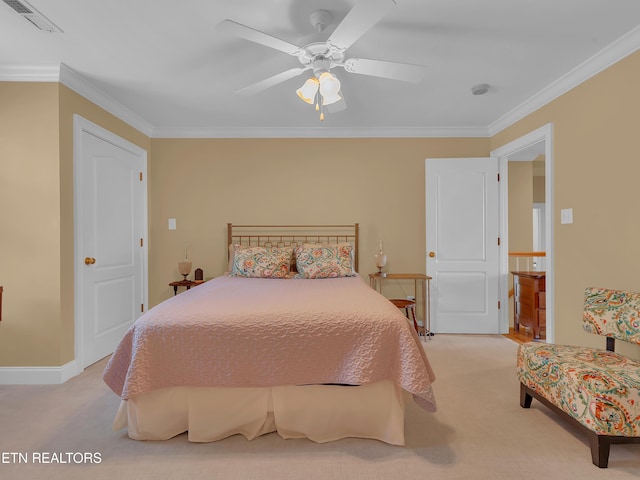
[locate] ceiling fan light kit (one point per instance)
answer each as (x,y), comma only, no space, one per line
(326,85)
(321,57)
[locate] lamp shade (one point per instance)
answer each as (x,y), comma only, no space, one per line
(308,91)
(329,99)
(329,85)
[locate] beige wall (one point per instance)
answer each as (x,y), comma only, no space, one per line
(205,183)
(538,189)
(596,171)
(520,206)
(36,237)
(30,224)
(539,175)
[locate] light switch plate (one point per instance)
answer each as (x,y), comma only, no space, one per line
(566,215)
(172,224)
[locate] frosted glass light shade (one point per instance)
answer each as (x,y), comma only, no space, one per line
(308,91)
(184,268)
(329,99)
(381,259)
(329,85)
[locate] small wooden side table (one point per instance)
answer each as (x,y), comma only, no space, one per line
(184,283)
(376,281)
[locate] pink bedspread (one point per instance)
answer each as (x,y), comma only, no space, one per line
(239,332)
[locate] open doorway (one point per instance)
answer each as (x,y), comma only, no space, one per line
(527,243)
(535,149)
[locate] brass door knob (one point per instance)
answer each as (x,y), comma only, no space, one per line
(89,260)
(432,254)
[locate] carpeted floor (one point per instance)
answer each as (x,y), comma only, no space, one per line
(479,432)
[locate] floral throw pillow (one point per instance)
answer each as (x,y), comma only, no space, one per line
(324,261)
(261,262)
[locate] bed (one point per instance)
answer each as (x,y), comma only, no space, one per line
(307,350)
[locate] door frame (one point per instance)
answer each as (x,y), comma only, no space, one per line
(544,133)
(82,125)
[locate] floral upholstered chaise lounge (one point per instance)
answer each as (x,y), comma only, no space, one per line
(598,389)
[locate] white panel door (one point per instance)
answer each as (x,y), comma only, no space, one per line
(462,244)
(111,219)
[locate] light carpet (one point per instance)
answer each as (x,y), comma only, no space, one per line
(479,432)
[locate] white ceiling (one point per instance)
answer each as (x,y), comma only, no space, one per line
(177,76)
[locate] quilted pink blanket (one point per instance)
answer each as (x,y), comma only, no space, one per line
(240,332)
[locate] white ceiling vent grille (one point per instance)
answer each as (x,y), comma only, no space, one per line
(33,15)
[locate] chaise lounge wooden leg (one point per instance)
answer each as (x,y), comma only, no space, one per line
(600,446)
(525,398)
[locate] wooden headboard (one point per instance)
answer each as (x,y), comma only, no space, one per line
(293,235)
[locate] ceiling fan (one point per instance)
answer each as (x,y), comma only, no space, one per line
(323,88)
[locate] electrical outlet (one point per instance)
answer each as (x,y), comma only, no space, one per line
(172,224)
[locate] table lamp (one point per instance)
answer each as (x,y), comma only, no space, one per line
(381,260)
(184,267)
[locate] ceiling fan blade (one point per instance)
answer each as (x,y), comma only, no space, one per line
(256,36)
(363,16)
(406,72)
(271,81)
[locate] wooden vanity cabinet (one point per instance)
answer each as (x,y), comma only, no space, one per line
(530,301)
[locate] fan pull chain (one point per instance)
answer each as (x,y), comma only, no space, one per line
(319,106)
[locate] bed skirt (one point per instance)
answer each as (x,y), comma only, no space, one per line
(321,413)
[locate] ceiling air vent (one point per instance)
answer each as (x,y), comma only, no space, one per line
(33,15)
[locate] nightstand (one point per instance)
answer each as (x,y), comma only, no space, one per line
(184,283)
(376,280)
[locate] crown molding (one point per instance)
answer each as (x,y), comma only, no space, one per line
(70,78)
(322,132)
(29,73)
(76,82)
(611,54)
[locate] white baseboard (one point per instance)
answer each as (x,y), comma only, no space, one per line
(38,375)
